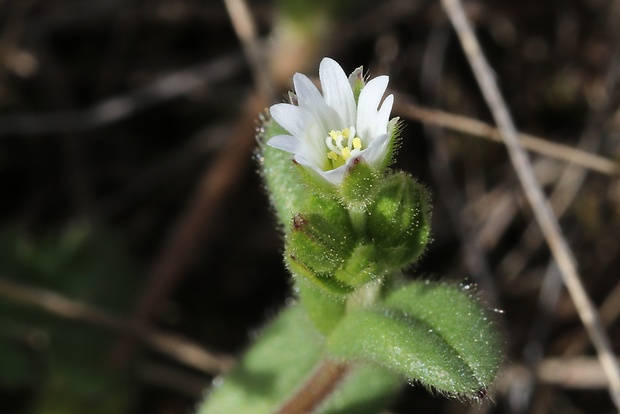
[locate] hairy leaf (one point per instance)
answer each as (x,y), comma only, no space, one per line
(281,360)
(435,334)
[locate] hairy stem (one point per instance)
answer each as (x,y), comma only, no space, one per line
(316,389)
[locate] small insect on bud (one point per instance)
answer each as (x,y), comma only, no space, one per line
(299,222)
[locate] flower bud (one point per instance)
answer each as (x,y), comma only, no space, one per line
(320,242)
(324,246)
(398,221)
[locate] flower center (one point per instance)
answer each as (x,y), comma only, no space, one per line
(342,145)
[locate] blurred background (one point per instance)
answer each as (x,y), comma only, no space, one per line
(138,253)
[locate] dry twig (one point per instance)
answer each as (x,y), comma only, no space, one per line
(583,373)
(473,256)
(246,32)
(217,181)
(541,208)
(175,347)
(194,223)
(483,130)
(120,107)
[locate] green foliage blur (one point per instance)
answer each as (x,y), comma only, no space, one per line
(62,363)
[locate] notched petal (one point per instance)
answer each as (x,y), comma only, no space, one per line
(337,92)
(368,103)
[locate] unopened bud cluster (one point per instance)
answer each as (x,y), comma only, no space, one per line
(348,219)
(343,241)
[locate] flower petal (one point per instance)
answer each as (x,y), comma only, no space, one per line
(286,143)
(333,176)
(309,97)
(336,175)
(290,117)
(312,114)
(379,125)
(337,92)
(368,102)
(307,93)
(377,149)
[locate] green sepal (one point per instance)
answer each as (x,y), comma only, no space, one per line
(358,270)
(313,184)
(435,334)
(320,243)
(278,363)
(394,128)
(399,221)
(356,80)
(357,188)
(324,281)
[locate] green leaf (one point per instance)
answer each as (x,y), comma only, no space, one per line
(435,334)
(281,360)
(271,369)
(459,318)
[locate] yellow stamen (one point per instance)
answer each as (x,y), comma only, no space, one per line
(342,145)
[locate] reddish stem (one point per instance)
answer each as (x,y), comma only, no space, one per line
(317,388)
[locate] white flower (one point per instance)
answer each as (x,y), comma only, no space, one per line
(330,132)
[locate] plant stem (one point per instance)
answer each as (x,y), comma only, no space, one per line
(316,389)
(358,219)
(365,295)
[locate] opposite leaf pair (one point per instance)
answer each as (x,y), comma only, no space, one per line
(412,335)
